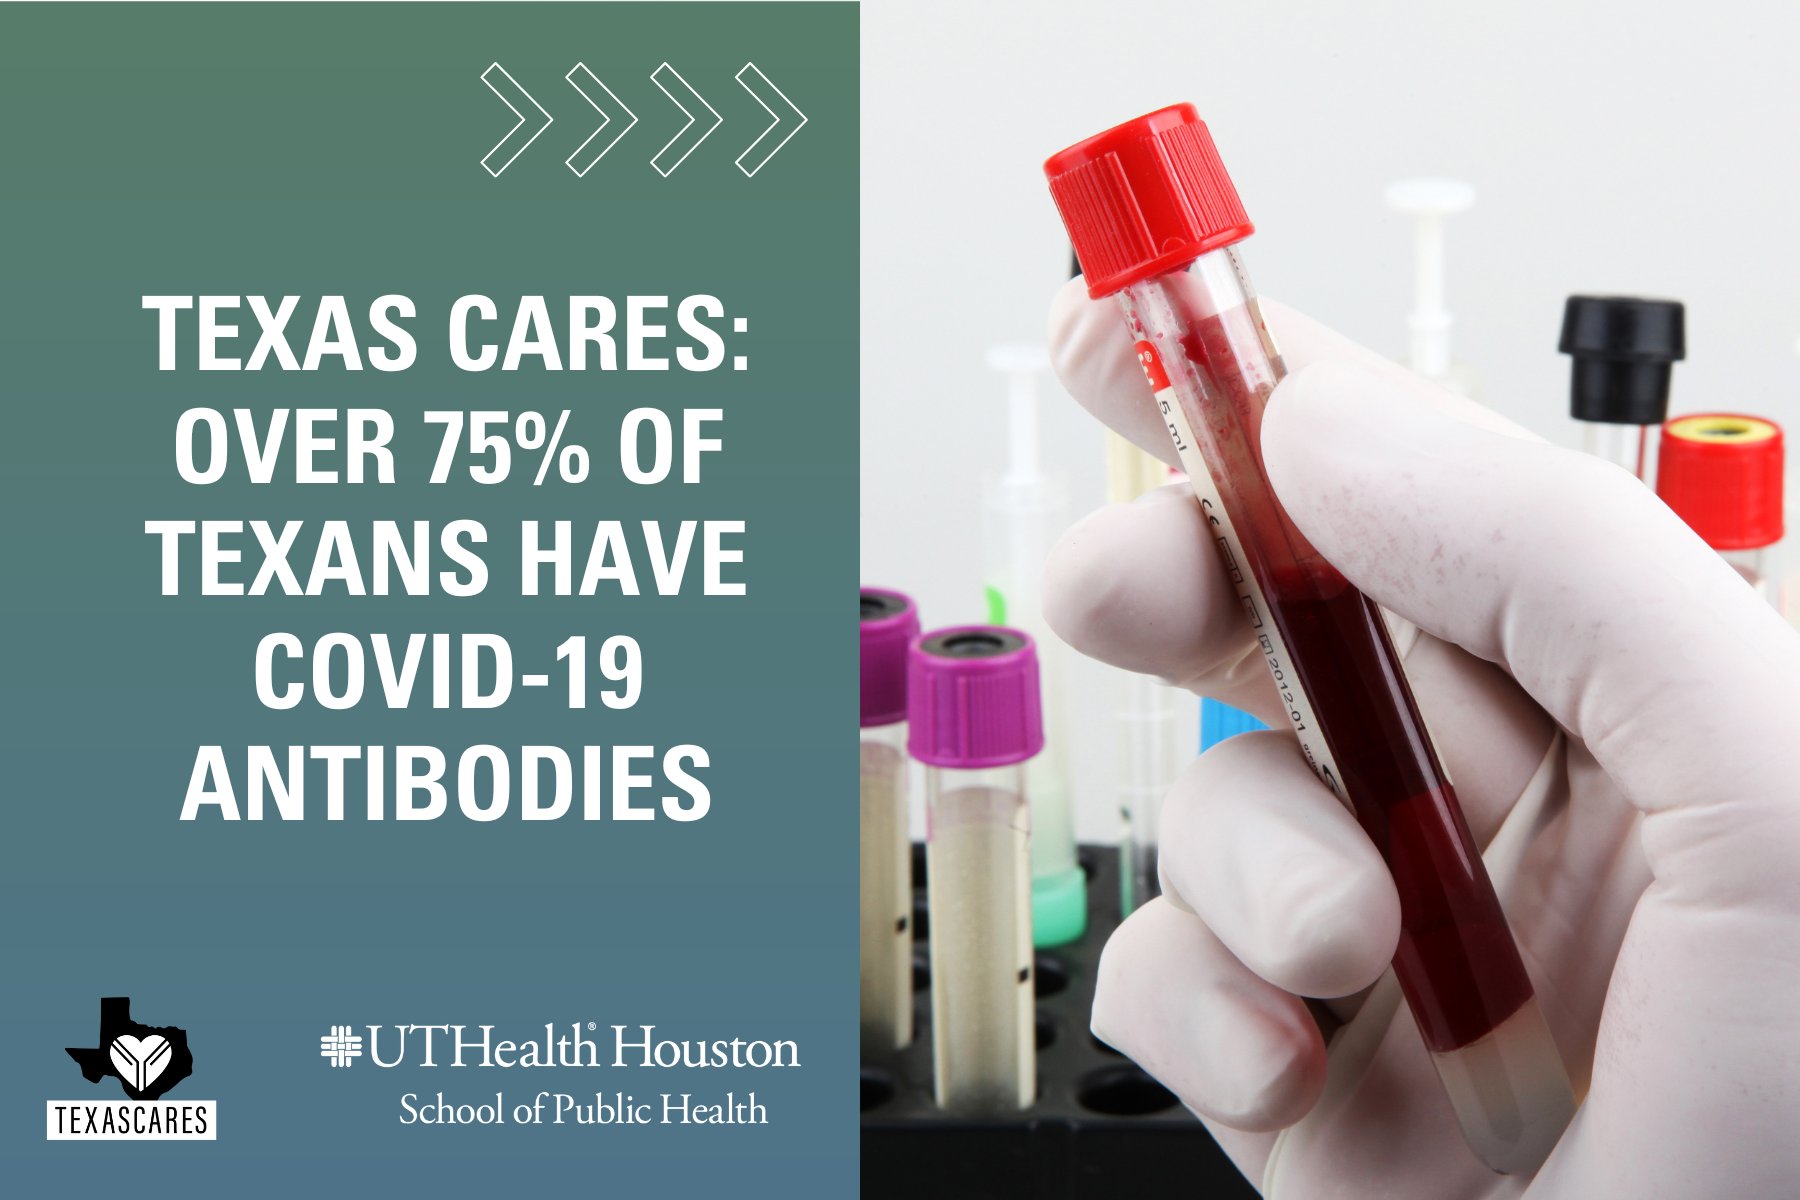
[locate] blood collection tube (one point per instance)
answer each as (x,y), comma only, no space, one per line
(1154,217)
(974,720)
(889,624)
(1624,350)
(1722,473)
(1153,718)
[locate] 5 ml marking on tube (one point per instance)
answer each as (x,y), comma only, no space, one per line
(1231,555)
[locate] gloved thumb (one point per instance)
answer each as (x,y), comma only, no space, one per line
(1570,574)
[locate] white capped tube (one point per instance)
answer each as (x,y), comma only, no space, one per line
(1428,202)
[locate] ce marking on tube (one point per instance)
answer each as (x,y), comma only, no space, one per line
(1231,564)
(1233,571)
(1209,510)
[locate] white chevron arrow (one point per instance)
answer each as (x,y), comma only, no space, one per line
(592,85)
(512,145)
(661,77)
(762,91)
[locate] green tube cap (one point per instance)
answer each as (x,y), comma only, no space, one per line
(1058,908)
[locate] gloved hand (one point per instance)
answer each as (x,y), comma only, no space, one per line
(1615,707)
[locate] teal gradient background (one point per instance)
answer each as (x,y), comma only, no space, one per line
(334,149)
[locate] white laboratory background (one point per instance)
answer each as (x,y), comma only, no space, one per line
(1624,146)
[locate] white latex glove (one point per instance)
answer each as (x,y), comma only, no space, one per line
(1615,707)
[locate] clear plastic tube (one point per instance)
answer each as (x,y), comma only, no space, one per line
(1155,726)
(1780,565)
(1212,364)
(978,877)
(1759,568)
(1153,717)
(885,906)
(1630,446)
(1024,515)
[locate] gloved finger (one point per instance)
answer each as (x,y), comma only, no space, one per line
(1278,869)
(1384,1121)
(1094,358)
(1139,586)
(1573,577)
(1230,1045)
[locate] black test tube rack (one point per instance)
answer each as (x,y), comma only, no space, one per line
(1101,1127)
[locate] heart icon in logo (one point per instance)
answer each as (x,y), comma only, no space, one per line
(140,1060)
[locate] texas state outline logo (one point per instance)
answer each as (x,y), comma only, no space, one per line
(148,1061)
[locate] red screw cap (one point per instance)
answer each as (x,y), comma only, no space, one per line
(1145,197)
(1722,474)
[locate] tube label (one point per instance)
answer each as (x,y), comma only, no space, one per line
(1250,594)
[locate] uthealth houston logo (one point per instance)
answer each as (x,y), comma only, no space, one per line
(574,1045)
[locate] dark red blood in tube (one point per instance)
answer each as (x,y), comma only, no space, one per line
(1456,962)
